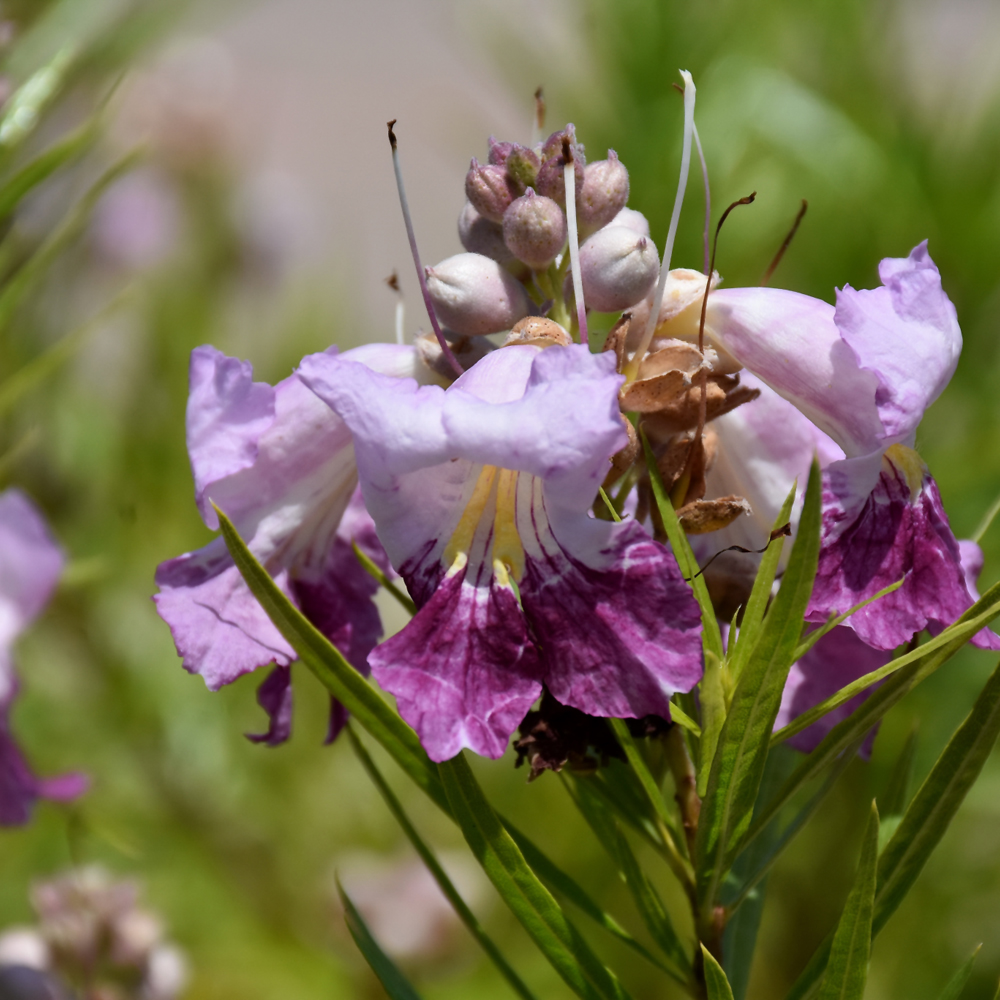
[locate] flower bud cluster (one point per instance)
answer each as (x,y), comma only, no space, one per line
(514,228)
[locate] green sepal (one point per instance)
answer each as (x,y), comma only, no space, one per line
(716,984)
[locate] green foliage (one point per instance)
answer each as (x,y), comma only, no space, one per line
(957,982)
(716,984)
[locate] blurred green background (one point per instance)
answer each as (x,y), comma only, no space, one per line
(262,218)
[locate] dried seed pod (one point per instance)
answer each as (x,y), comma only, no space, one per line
(539,331)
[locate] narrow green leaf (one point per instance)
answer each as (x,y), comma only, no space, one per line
(678,715)
(24,107)
(374,571)
(644,895)
(930,656)
(615,516)
(333,671)
(72,226)
(984,524)
(716,985)
(650,785)
(395,983)
(937,800)
(926,819)
(558,881)
(713,715)
(753,615)
(957,982)
(44,165)
(711,636)
(743,745)
(625,796)
(519,887)
(434,867)
(893,802)
(814,636)
(847,968)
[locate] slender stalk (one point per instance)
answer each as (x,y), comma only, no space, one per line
(569,174)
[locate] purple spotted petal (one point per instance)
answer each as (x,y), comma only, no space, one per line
(900,530)
(463,671)
(838,659)
(906,333)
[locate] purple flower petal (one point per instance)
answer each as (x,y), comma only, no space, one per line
(900,530)
(275,696)
(490,482)
(838,659)
(463,671)
(906,333)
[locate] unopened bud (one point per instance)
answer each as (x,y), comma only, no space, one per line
(619,268)
(631,219)
(522,166)
(551,180)
(479,235)
(489,190)
(534,229)
(475,295)
(603,194)
(499,151)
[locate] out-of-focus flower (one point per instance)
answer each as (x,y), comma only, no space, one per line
(481,495)
(402,904)
(94,938)
(281,465)
(30,564)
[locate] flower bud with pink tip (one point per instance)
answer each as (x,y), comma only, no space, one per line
(551,181)
(603,194)
(475,295)
(480,235)
(619,268)
(489,189)
(534,229)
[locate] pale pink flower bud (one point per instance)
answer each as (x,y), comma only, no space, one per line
(619,268)
(534,229)
(475,295)
(604,193)
(499,151)
(489,189)
(479,235)
(551,181)
(631,219)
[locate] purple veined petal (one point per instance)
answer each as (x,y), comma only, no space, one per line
(275,696)
(463,671)
(30,564)
(838,659)
(791,342)
(900,530)
(906,333)
(617,627)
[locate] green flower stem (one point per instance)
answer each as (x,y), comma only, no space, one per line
(685,784)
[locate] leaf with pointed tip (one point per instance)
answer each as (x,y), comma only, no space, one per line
(533,905)
(957,982)
(743,745)
(716,985)
(395,983)
(893,802)
(713,714)
(847,967)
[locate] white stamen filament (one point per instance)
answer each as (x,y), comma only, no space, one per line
(569,174)
(654,313)
(399,321)
(708,196)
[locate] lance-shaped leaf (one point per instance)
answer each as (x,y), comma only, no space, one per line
(957,982)
(644,895)
(333,671)
(395,983)
(743,642)
(892,804)
(743,745)
(712,695)
(716,985)
(847,968)
(533,905)
(711,636)
(926,819)
(378,719)
(440,876)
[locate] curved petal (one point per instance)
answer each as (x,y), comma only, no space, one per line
(791,342)
(838,659)
(275,696)
(906,333)
(900,531)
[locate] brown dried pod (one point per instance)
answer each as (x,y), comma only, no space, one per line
(702,516)
(538,330)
